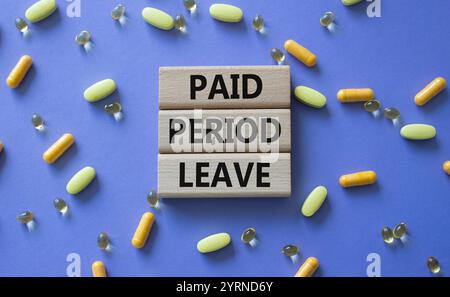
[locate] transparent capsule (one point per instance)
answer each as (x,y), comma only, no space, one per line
(118,12)
(391,113)
(179,23)
(387,234)
(290,250)
(249,236)
(433,265)
(83,38)
(327,20)
(190,5)
(372,105)
(38,122)
(400,230)
(152,199)
(21,25)
(114,109)
(25,217)
(277,55)
(60,205)
(258,23)
(103,241)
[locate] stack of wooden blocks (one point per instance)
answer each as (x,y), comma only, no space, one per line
(224,131)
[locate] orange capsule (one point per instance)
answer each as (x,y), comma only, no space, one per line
(19,71)
(58,148)
(430,91)
(358,179)
(308,267)
(301,53)
(143,229)
(446,167)
(355,95)
(1,146)
(98,269)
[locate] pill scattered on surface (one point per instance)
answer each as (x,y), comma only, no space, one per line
(25,217)
(21,25)
(38,122)
(100,90)
(58,148)
(1,146)
(372,105)
(433,265)
(226,13)
(310,97)
(391,113)
(430,91)
(314,201)
(327,20)
(179,23)
(152,199)
(61,205)
(445,166)
(103,241)
(308,267)
(19,71)
(158,18)
(190,5)
(213,243)
(83,38)
(98,269)
(400,230)
(358,179)
(114,109)
(350,2)
(387,235)
(118,12)
(355,95)
(258,23)
(80,180)
(40,10)
(277,55)
(290,250)
(418,132)
(248,236)
(143,230)
(300,52)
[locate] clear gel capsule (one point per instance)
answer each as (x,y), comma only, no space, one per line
(249,236)
(327,20)
(60,205)
(372,105)
(258,23)
(433,265)
(391,113)
(179,23)
(118,12)
(25,217)
(103,241)
(291,251)
(277,55)
(83,38)
(38,122)
(152,199)
(400,230)
(21,25)
(387,235)
(190,5)
(114,109)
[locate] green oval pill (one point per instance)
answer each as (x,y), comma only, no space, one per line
(40,10)
(350,2)
(213,243)
(314,201)
(80,180)
(418,132)
(310,97)
(226,13)
(100,90)
(157,18)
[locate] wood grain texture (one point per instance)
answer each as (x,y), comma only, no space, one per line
(225,130)
(203,175)
(175,87)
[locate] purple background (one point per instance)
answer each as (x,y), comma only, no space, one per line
(396,55)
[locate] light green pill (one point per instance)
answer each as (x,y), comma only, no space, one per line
(418,132)
(157,18)
(226,13)
(314,201)
(100,90)
(350,2)
(310,97)
(40,10)
(213,243)
(80,180)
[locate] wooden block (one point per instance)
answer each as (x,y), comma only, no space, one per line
(224,175)
(224,87)
(225,131)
